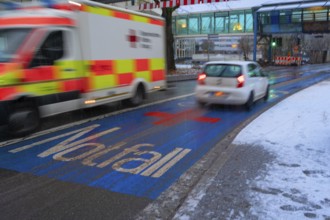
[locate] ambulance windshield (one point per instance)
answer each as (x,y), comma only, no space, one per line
(10,40)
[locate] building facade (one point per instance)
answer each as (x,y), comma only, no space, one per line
(219,34)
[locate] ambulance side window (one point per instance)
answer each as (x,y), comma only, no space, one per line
(51,50)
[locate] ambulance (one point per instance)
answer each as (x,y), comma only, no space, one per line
(70,55)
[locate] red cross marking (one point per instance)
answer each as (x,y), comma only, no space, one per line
(169,119)
(132,38)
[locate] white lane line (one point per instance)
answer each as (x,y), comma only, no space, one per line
(13,141)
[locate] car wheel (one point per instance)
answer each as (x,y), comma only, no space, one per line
(201,104)
(24,120)
(249,103)
(266,97)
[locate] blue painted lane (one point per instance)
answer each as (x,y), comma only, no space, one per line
(139,153)
(291,73)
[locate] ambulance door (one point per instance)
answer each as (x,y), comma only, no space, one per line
(55,72)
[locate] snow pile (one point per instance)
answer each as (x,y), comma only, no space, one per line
(297,130)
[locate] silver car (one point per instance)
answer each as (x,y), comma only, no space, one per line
(232,83)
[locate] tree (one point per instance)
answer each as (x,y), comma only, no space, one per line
(319,48)
(245,46)
(167,15)
(207,45)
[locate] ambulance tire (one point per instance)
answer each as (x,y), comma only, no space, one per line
(138,97)
(24,120)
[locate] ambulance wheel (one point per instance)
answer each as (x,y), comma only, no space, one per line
(138,97)
(23,120)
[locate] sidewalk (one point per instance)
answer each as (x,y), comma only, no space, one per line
(279,169)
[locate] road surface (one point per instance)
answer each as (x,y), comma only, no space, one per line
(113,166)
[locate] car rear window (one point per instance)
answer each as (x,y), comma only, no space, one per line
(222,70)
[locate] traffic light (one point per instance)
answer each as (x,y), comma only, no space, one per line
(276,42)
(273,42)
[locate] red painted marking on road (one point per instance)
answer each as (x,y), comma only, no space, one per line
(169,119)
(207,119)
(158,114)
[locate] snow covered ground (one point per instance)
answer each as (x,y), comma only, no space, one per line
(297,131)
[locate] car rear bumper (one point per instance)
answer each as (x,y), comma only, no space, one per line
(229,96)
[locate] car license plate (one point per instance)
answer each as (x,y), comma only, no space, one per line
(217,94)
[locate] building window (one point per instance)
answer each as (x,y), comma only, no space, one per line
(181,26)
(308,16)
(296,16)
(248,21)
(285,17)
(321,15)
(315,14)
(221,22)
(236,22)
(221,25)
(207,21)
(193,25)
(241,22)
(264,17)
(233,21)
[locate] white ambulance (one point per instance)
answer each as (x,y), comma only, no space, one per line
(75,55)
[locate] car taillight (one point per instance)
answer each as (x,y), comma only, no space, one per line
(240,81)
(201,79)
